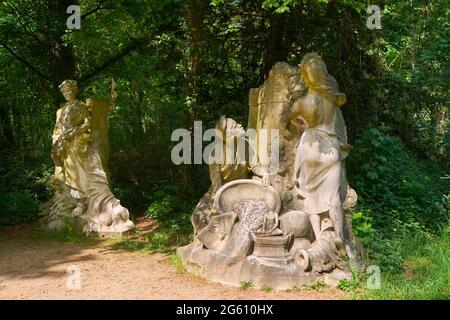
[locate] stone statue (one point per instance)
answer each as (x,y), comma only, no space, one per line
(290,224)
(222,171)
(80,152)
(319,168)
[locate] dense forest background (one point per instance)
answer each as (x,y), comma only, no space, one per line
(164,64)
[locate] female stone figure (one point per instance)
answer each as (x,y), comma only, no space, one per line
(82,190)
(227,166)
(70,149)
(319,169)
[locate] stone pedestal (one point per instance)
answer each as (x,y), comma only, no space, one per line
(273,249)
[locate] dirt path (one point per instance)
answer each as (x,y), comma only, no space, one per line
(33,267)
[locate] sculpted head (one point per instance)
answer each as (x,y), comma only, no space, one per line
(229,128)
(69,89)
(313,69)
(315,75)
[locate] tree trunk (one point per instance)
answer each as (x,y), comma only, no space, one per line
(64,66)
(195,37)
(276,44)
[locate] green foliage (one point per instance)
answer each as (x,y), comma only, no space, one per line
(346,285)
(17,207)
(399,196)
(170,209)
(426,265)
(164,64)
(317,286)
(167,239)
(164,239)
(353,285)
(282,6)
(266,288)
(67,234)
(244,285)
(23,186)
(395,183)
(177,262)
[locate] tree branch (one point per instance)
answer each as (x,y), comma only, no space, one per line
(96,9)
(25,62)
(135,44)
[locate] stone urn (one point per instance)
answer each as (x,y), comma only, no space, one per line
(246,189)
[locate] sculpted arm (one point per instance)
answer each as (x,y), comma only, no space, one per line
(57,131)
(87,121)
(82,128)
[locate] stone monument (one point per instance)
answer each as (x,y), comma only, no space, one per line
(82,196)
(288,224)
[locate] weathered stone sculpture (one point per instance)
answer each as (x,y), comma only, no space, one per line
(319,169)
(222,171)
(290,224)
(82,196)
(269,106)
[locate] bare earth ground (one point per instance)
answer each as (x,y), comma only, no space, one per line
(34,267)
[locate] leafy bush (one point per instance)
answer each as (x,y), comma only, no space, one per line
(169,207)
(399,196)
(347,285)
(18,207)
(23,186)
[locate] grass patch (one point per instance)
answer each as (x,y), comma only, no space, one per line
(347,285)
(294,289)
(317,286)
(244,285)
(425,271)
(266,288)
(172,214)
(66,235)
(176,261)
(163,240)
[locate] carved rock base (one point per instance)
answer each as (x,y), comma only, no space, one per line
(276,273)
(81,224)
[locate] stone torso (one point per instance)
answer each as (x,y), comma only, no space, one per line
(317,111)
(73,114)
